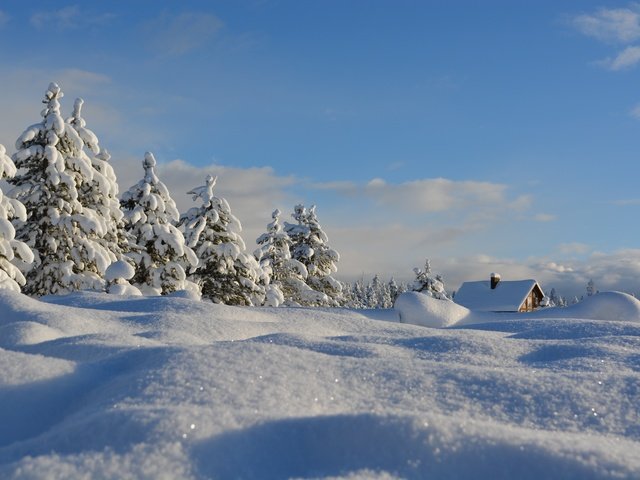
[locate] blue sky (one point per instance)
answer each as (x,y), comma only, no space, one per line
(497,135)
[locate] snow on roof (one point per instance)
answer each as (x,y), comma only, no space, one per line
(508,296)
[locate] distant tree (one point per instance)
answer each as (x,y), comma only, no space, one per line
(591,288)
(426,283)
(226,272)
(64,235)
(310,247)
(374,293)
(554,299)
(12,252)
(358,294)
(394,290)
(150,213)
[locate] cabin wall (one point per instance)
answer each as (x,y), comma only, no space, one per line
(531,303)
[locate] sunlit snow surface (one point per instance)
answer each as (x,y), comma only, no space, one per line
(98,386)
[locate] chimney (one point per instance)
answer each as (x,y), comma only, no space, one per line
(495,279)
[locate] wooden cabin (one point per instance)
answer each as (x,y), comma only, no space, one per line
(498,295)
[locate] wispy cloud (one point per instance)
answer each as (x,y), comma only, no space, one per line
(625,59)
(635,111)
(431,195)
(69,17)
(620,25)
(179,34)
(619,270)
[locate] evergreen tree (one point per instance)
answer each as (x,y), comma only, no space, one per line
(591,288)
(394,290)
(286,274)
(149,213)
(309,247)
(226,273)
(427,284)
(64,235)
(357,295)
(12,251)
(101,192)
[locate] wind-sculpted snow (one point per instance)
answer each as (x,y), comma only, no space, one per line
(101,386)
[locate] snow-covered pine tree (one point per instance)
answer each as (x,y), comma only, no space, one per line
(101,192)
(310,247)
(394,290)
(63,234)
(150,213)
(12,251)
(356,295)
(427,284)
(374,293)
(226,272)
(591,288)
(286,274)
(554,299)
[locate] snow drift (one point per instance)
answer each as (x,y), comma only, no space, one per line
(101,386)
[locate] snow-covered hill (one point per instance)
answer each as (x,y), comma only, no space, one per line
(98,386)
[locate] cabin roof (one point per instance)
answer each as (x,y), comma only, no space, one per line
(508,296)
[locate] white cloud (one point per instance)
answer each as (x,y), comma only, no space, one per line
(615,24)
(635,111)
(179,34)
(627,58)
(619,270)
(4,18)
(432,195)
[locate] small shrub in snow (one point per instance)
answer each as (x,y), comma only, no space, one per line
(149,213)
(226,272)
(426,283)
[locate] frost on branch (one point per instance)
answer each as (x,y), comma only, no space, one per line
(63,234)
(226,272)
(150,214)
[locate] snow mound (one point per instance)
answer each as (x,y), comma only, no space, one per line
(420,309)
(616,306)
(165,387)
(119,269)
(27,333)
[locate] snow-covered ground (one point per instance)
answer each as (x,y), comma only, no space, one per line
(98,386)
